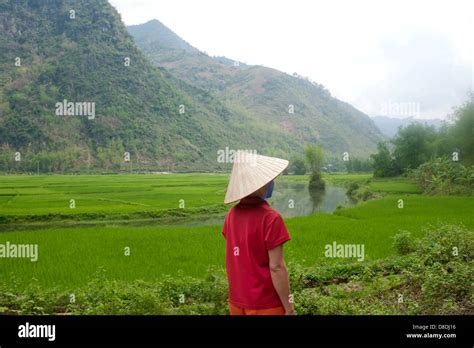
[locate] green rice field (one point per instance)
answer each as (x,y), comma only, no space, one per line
(70,255)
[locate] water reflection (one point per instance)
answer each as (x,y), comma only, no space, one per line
(317,197)
(295,199)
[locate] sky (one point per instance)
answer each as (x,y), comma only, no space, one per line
(391,58)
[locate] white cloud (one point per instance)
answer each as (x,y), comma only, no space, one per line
(364,51)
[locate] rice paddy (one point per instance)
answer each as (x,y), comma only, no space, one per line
(71,253)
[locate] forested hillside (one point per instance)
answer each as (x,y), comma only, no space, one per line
(290,105)
(117,104)
(53,51)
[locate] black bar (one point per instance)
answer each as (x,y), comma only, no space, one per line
(330,330)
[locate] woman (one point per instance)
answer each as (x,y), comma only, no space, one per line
(255,234)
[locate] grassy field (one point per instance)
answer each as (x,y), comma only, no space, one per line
(21,195)
(68,257)
(42,195)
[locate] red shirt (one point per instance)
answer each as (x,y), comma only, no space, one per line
(251,228)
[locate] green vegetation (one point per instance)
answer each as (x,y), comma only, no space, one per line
(384,164)
(362,187)
(428,279)
(463,131)
(315,159)
(403,243)
(152,244)
(297,166)
(137,106)
(163,122)
(179,269)
(42,198)
(287,110)
(413,146)
(443,176)
(343,179)
(359,165)
(79,60)
(395,185)
(70,255)
(417,144)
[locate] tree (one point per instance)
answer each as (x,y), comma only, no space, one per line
(384,164)
(298,166)
(358,165)
(445,143)
(315,157)
(463,131)
(414,145)
(417,144)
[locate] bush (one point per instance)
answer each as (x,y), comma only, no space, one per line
(101,296)
(384,163)
(443,269)
(444,176)
(357,192)
(403,243)
(298,166)
(316,182)
(445,243)
(352,188)
(445,289)
(366,194)
(434,276)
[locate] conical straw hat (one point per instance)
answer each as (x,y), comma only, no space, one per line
(251,172)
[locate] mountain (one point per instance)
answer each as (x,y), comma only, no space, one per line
(263,96)
(80,54)
(389,125)
(77,94)
(168,39)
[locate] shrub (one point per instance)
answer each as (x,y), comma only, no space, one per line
(352,188)
(366,194)
(444,176)
(445,243)
(446,288)
(434,274)
(316,182)
(443,269)
(298,166)
(403,243)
